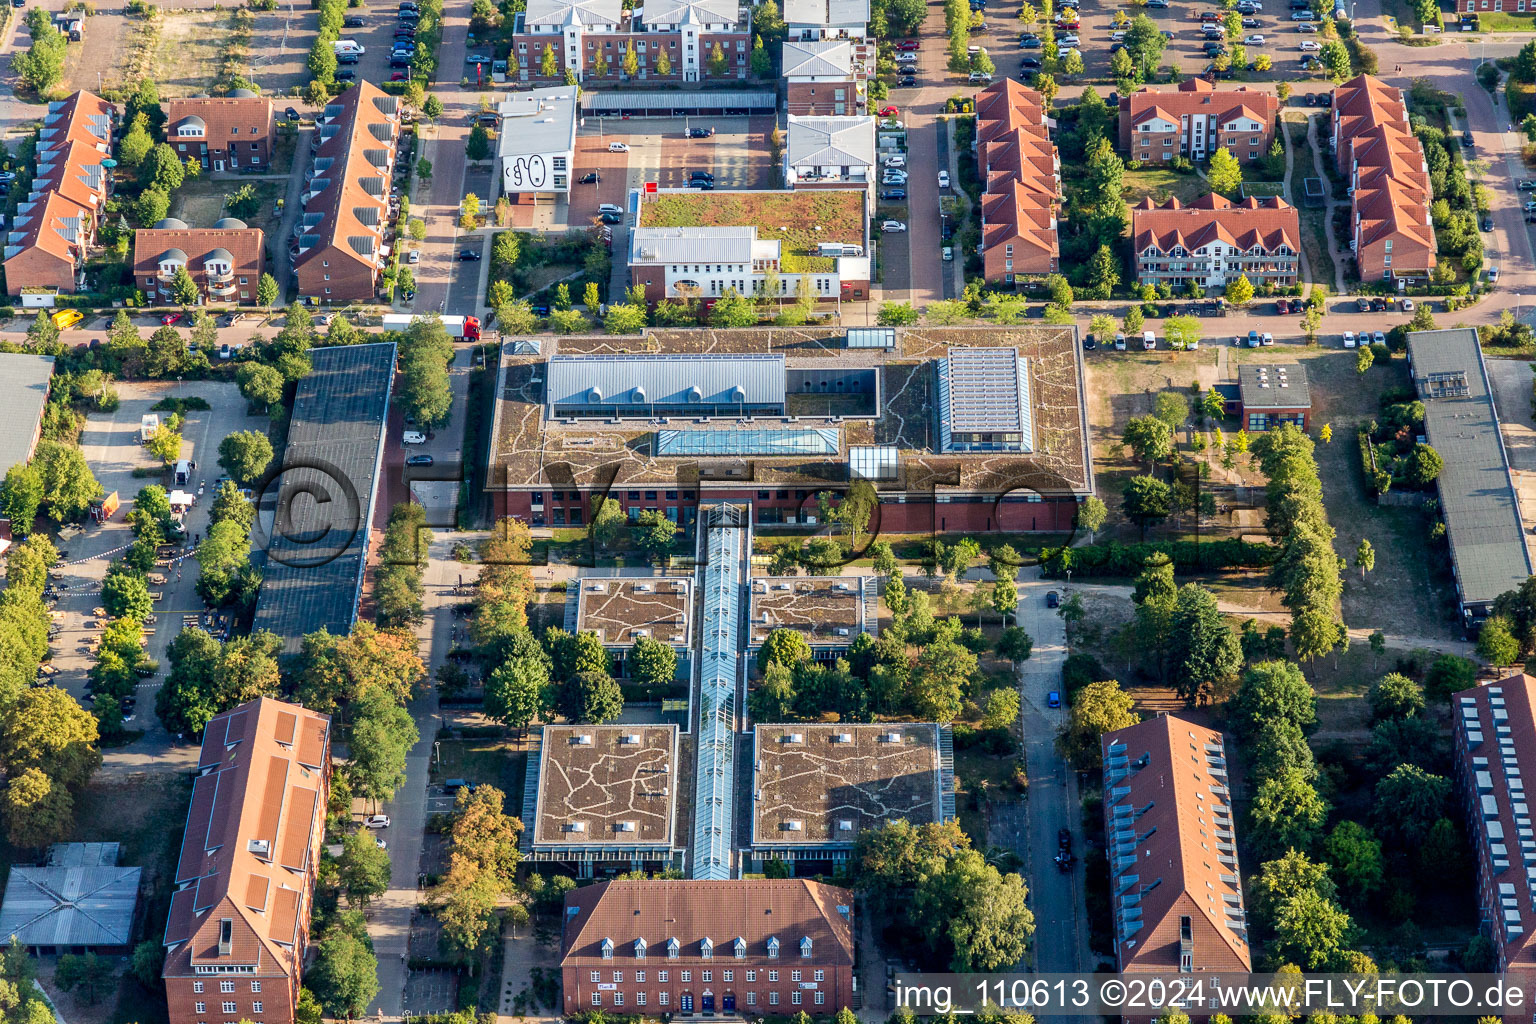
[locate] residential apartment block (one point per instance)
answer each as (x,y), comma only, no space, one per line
(1213,241)
(825,77)
(1022,175)
(1194,121)
(45,245)
(338,252)
(238,926)
(831,152)
(1174,880)
(827,19)
(591,39)
(1495,727)
(1374,146)
(224,133)
(731,947)
(224,261)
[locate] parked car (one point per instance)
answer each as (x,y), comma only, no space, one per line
(701,133)
(1052,599)
(1306,26)
(476,58)
(1301,16)
(1282,306)
(1378,304)
(1378,338)
(469,255)
(1527,185)
(943,179)
(1031,62)
(1349,339)
(419,460)
(947,254)
(617,147)
(1407,305)
(352,21)
(170,318)
(413,437)
(1466,139)
(906,81)
(376,821)
(1493,275)
(591,178)
(894,195)
(1487,222)
(1250,23)
(889,112)
(893,225)
(1031,43)
(1254,40)
(611,218)
(1309,44)
(1157,3)
(1067,41)
(907,45)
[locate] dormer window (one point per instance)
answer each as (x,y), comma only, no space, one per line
(706,949)
(773,947)
(1179,250)
(673,948)
(805,948)
(607,948)
(1152,250)
(639,949)
(740,948)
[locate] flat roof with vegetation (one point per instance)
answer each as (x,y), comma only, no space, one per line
(799,220)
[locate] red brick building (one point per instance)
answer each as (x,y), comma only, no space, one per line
(825,77)
(1178,894)
(1375,148)
(1214,241)
(1196,120)
(225,133)
(1495,727)
(339,253)
(593,38)
(1023,184)
(1271,395)
(45,246)
(730,947)
(225,261)
(238,926)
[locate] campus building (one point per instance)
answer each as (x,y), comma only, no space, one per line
(224,261)
(1022,184)
(1175,886)
(1270,395)
(832,153)
(1214,241)
(700,39)
(771,418)
(1373,144)
(1194,121)
(732,947)
(536,144)
(71,180)
(223,133)
(338,251)
(238,928)
(619,611)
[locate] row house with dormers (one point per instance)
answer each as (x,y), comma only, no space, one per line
(1391,232)
(238,926)
(1213,241)
(592,38)
(735,948)
(1194,121)
(237,132)
(1022,191)
(224,261)
(54,225)
(339,248)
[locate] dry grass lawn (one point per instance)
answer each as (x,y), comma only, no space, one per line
(799,220)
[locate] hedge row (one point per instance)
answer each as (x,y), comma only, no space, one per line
(1189,556)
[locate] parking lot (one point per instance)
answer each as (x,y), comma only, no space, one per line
(659,150)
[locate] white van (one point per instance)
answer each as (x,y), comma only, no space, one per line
(1148,340)
(413,437)
(835,249)
(351,46)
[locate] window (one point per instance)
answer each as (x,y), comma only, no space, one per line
(202,1007)
(729,976)
(707,975)
(773,999)
(752,1000)
(640,977)
(197,986)
(820,975)
(821,997)
(597,976)
(597,999)
(226,986)
(794,997)
(686,975)
(256,1006)
(639,998)
(773,975)
(229,1007)
(662,975)
(663,998)
(618,999)
(794,975)
(618,976)
(751,975)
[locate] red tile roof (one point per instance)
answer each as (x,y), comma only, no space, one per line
(75,137)
(256,815)
(1212,218)
(224,118)
(756,911)
(1385,163)
(1196,97)
(244,246)
(49,222)
(347,205)
(1173,858)
(1022,172)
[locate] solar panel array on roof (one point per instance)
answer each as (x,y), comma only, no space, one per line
(984,401)
(820,441)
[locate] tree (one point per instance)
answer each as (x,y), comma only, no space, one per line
(21,496)
(938,680)
(853,509)
(136,143)
(624,318)
(1496,642)
(1287,813)
(147,962)
(363,869)
(1144,41)
(1408,803)
(1424,466)
(1365,557)
(1226,176)
(1091,514)
(1002,709)
(266,290)
(1310,930)
(151,207)
(259,384)
(977,915)
(481,870)
(1354,856)
(1204,650)
(85,971)
(68,484)
(1273,691)
(1149,437)
(1395,696)
(1335,57)
(1172,408)
(245,455)
(1449,674)
(652,662)
(1182,332)
(1146,499)
(663,64)
(478,146)
(322,61)
(591,697)
(516,689)
(126,595)
(38,810)
(655,534)
(164,444)
(345,975)
(785,647)
(1098,708)
(733,310)
(46,728)
(717,62)
(1015,644)
(381,736)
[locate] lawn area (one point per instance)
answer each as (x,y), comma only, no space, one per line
(798,220)
(1314,233)
(200,202)
(1161,183)
(1504,21)
(497,760)
(187,52)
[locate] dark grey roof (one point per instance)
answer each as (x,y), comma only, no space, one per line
(171,224)
(23,392)
(1477,496)
(84,904)
(1273,386)
(243,94)
(230,224)
(220,253)
(666,379)
(314,568)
